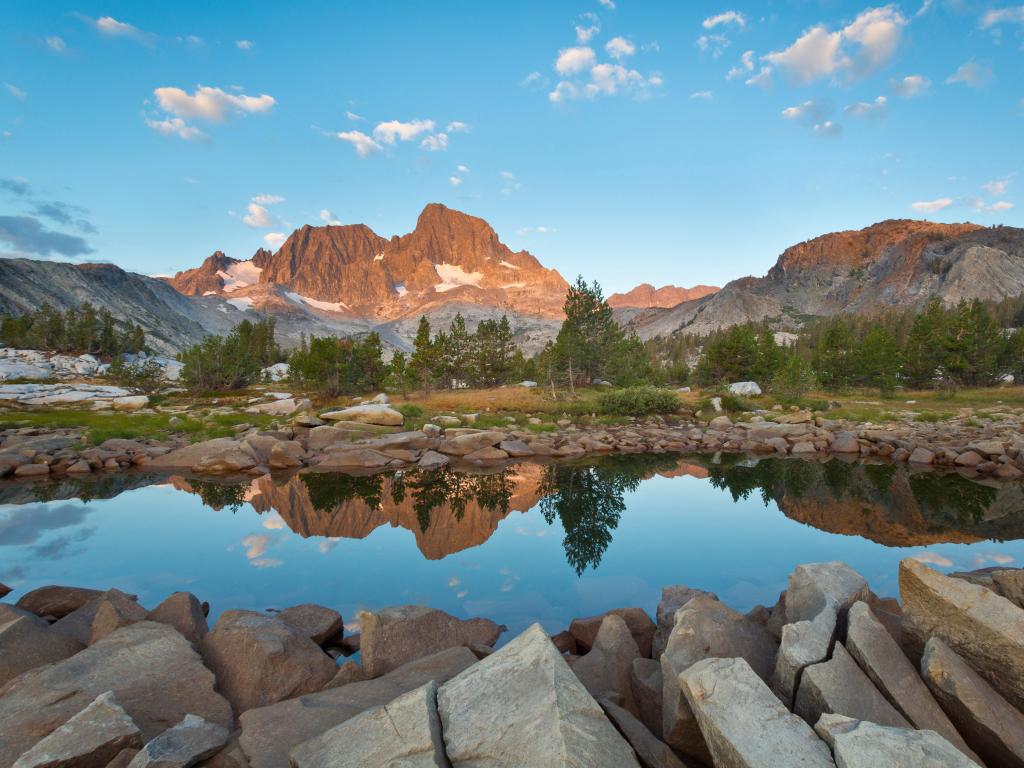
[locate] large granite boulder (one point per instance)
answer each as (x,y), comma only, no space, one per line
(813,586)
(184,612)
(379,414)
(222,454)
(646,683)
(259,660)
(187,743)
(985,629)
(859,744)
(523,706)
(462,445)
(396,635)
(744,724)
(90,739)
(803,643)
(838,686)
(405,732)
(270,733)
(79,623)
(989,725)
(606,670)
(673,597)
(651,751)
(29,642)
(113,611)
(56,601)
(637,620)
(319,624)
(153,672)
(890,670)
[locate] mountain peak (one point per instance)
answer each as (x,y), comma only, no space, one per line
(645,296)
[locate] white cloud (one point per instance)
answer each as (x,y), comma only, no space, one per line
(258,217)
(746,65)
(354,117)
(714,43)
(609,4)
(210,103)
(606,80)
(394,130)
(56,44)
(110,26)
(934,558)
(868,109)
(541,230)
(1001,205)
(462,169)
(244,45)
(762,79)
(584,34)
(813,55)
(1012,15)
(996,187)
(175,126)
(828,129)
(931,206)
(454,181)
(533,78)
(572,60)
(619,48)
(509,182)
(877,31)
(814,114)
(16,92)
(265,199)
(275,239)
(910,86)
(457,126)
(729,17)
(329,218)
(437,142)
(705,95)
(363,144)
(971,74)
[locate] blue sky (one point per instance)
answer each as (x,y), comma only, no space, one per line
(667,142)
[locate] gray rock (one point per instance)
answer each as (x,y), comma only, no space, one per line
(1011,584)
(921,455)
(892,673)
(319,624)
(606,669)
(259,660)
(859,744)
(153,672)
(184,612)
(372,413)
(744,724)
(56,601)
(650,750)
(637,620)
(184,745)
(812,586)
(468,443)
(270,733)
(646,683)
(984,628)
(673,598)
(396,635)
(432,460)
(839,687)
(405,732)
(90,739)
(803,643)
(28,642)
(545,714)
(990,726)
(221,454)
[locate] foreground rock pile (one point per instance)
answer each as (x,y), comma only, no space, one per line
(831,675)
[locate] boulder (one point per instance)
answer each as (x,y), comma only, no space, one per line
(79,623)
(639,623)
(349,672)
(984,628)
(205,454)
(283,456)
(259,660)
(184,612)
(845,442)
(650,750)
(745,388)
(813,586)
(115,610)
(125,756)
(858,744)
(90,739)
(56,601)
(319,624)
(432,460)
(28,642)
(545,714)
(883,661)
(990,726)
(921,455)
(462,445)
(153,672)
(839,687)
(1010,582)
(282,407)
(129,403)
(396,635)
(355,458)
(744,724)
(606,669)
(405,731)
(515,448)
(803,643)
(323,436)
(673,598)
(646,683)
(184,745)
(379,414)
(488,453)
(987,447)
(270,733)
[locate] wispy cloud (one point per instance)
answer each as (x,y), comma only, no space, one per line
(392,131)
(931,206)
(327,217)
(815,114)
(15,91)
(971,74)
(111,27)
(211,104)
(910,86)
(876,109)
(363,144)
(30,237)
(729,17)
(245,45)
(175,126)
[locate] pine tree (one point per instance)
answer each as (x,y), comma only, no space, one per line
(879,359)
(587,336)
(424,355)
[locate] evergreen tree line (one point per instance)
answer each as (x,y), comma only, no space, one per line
(78,331)
(333,366)
(234,361)
(456,358)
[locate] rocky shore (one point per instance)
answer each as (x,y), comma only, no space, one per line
(830,675)
(371,437)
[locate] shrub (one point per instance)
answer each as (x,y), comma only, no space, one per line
(638,401)
(144,375)
(409,410)
(729,402)
(793,380)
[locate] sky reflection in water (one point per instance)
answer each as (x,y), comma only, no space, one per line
(545,543)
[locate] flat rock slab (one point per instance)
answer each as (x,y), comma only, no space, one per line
(990,726)
(859,744)
(184,745)
(397,635)
(405,732)
(523,706)
(259,660)
(28,642)
(90,739)
(838,686)
(985,629)
(372,413)
(153,672)
(270,733)
(885,664)
(744,724)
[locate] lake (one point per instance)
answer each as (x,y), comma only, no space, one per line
(529,543)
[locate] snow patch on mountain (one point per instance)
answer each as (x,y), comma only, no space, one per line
(454,276)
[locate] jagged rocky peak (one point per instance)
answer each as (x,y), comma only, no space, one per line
(646,295)
(217,274)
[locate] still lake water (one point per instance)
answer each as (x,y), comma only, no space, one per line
(531,543)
